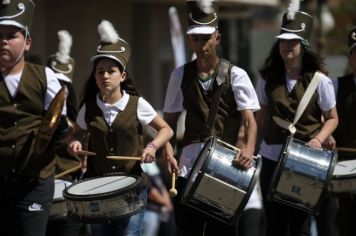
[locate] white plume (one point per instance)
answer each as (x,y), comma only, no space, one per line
(65,44)
(206,6)
(292,9)
(107,32)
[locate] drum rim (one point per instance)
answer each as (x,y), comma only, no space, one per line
(187,195)
(278,172)
(69,196)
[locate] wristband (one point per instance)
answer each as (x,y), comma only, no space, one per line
(152,145)
(318,140)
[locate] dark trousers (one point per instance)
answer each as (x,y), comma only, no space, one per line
(63,227)
(26,202)
(281,219)
(191,222)
(327,217)
(347,215)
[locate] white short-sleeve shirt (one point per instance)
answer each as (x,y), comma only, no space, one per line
(53,86)
(145,111)
(244,92)
(326,101)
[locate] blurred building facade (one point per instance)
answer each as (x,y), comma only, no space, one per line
(248,28)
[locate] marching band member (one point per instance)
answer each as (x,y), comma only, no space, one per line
(63,66)
(285,75)
(191,87)
(345,134)
(114,114)
(26,174)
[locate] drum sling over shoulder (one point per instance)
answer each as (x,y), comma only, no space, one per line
(303,172)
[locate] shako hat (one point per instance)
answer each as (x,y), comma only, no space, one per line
(17,13)
(296,24)
(111,45)
(352,39)
(202,16)
(62,62)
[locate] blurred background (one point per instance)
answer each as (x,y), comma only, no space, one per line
(248,30)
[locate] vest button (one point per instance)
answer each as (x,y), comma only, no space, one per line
(113,167)
(13,146)
(15,123)
(111,149)
(15,105)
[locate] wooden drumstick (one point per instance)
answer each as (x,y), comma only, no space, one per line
(83,152)
(68,171)
(173,191)
(124,158)
(343,149)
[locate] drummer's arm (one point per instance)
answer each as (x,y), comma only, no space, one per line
(262,118)
(246,138)
(163,136)
(330,124)
(172,120)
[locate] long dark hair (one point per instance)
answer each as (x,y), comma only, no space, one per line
(273,67)
(91,89)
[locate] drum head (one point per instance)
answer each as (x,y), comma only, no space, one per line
(96,188)
(345,169)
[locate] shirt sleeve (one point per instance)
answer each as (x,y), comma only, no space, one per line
(81,118)
(336,86)
(53,87)
(174,96)
(261,92)
(325,90)
(145,112)
(244,92)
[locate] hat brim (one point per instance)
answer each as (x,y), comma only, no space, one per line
(12,23)
(96,57)
(201,30)
(288,36)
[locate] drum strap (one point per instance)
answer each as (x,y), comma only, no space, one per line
(220,79)
(302,105)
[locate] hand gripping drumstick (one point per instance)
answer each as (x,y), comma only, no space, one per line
(173,191)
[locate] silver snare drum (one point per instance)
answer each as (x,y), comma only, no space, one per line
(59,206)
(104,199)
(215,186)
(302,176)
(343,181)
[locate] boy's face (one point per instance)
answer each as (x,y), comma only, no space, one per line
(204,45)
(12,45)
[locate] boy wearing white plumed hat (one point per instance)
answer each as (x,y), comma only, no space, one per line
(26,176)
(195,87)
(63,65)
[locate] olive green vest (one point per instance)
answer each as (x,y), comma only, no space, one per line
(197,102)
(345,133)
(123,138)
(284,105)
(21,119)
